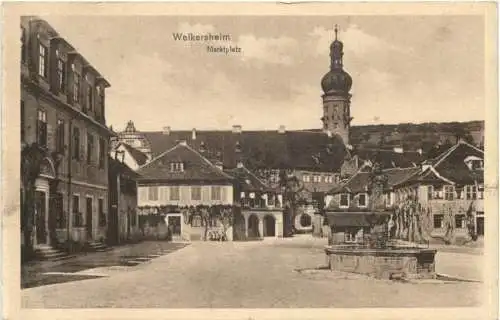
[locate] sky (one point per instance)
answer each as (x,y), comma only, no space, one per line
(404,69)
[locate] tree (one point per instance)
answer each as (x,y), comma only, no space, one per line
(31,160)
(226,217)
(470,223)
(291,188)
(412,220)
(449,224)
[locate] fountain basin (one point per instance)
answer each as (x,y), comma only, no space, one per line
(383,263)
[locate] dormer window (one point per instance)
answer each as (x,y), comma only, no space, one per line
(474,163)
(177,167)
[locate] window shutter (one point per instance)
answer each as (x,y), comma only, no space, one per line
(223,193)
(50,136)
(142,194)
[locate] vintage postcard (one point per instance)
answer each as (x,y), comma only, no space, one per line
(250,161)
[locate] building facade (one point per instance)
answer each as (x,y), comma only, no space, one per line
(63,114)
(123,225)
(179,185)
(260,207)
(452,186)
(446,192)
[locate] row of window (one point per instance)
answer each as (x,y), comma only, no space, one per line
(78,215)
(42,138)
(460,221)
(470,192)
(78,219)
(319,178)
(345,200)
(61,74)
(174,193)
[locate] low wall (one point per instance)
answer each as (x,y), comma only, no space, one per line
(383,263)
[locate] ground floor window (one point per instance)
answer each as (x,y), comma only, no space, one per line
(196,221)
(77,215)
(58,208)
(102,214)
(460,221)
(438,221)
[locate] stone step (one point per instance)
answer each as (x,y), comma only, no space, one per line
(51,254)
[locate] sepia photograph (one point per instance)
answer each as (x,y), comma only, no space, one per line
(254,161)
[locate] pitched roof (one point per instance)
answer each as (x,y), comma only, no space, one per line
(122,168)
(313,151)
(138,156)
(196,167)
(450,166)
(389,158)
(247,181)
(353,219)
(359,182)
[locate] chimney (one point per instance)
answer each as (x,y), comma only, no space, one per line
(236,129)
(193,134)
(398,149)
(166,131)
(281,129)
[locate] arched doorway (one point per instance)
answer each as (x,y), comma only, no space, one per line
(269,226)
(253,226)
(305,220)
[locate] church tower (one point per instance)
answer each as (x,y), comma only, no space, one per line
(336,85)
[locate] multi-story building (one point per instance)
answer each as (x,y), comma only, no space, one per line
(63,113)
(451,185)
(260,206)
(180,179)
(349,207)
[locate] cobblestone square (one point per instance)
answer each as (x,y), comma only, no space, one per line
(282,273)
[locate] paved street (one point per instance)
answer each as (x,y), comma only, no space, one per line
(253,275)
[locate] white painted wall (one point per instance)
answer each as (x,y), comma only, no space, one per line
(127,158)
(185,196)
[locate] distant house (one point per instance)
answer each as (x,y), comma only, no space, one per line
(182,178)
(395,157)
(349,208)
(123,222)
(129,155)
(261,206)
(451,184)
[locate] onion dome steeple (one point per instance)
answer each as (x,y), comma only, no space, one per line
(336,80)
